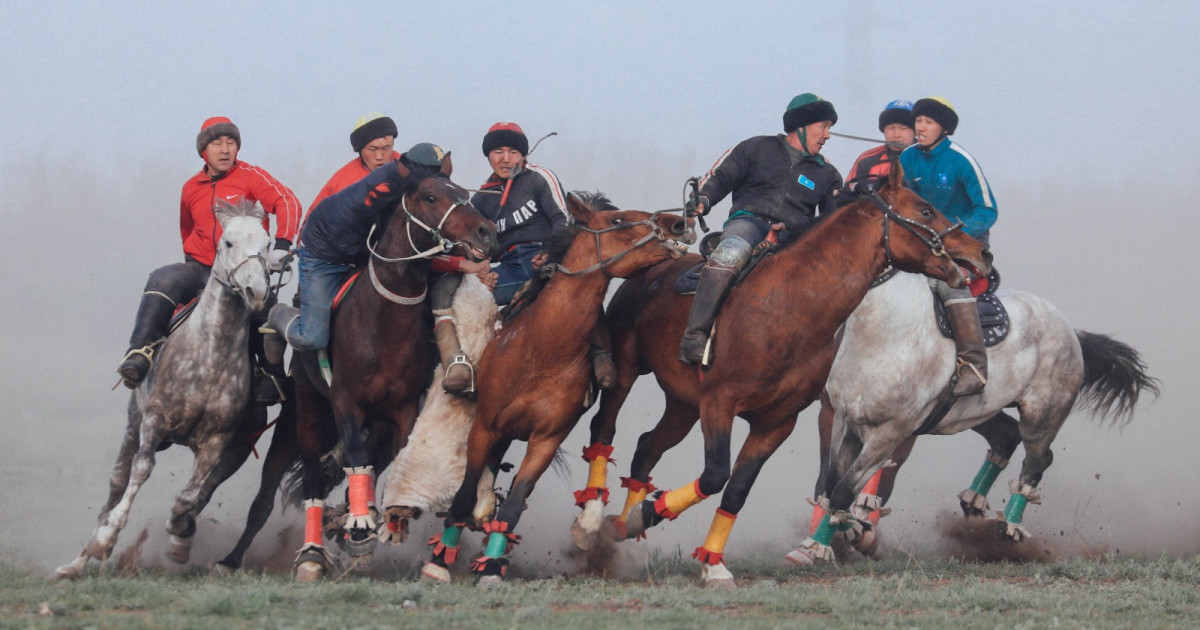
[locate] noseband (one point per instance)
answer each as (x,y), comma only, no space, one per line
(443,244)
(234,287)
(655,233)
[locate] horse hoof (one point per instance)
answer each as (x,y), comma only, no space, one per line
(180,549)
(435,572)
(219,570)
(361,543)
(867,544)
(489,581)
(1014,532)
(68,572)
(308,572)
(587,524)
(810,552)
(583,539)
(717,576)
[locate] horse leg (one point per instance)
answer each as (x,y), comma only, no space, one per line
(360,540)
(676,422)
(492,565)
(104,538)
(1003,434)
(480,444)
(757,449)
(716,423)
(594,496)
(383,452)
(1039,427)
(280,455)
(216,461)
(824,435)
(874,496)
(312,560)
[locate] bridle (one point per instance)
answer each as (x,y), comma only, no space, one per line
(927,235)
(656,233)
(234,287)
(442,244)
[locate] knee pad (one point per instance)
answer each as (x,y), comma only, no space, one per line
(733,251)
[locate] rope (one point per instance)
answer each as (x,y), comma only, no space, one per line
(850,137)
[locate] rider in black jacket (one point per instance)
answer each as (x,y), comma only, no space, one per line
(773,179)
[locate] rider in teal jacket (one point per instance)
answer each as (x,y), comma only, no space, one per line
(951,180)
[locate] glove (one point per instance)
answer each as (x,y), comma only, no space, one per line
(697,207)
(277,259)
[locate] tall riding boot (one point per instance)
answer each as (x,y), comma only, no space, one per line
(269,374)
(153,318)
(275,332)
(459,373)
(715,280)
(971,365)
(603,369)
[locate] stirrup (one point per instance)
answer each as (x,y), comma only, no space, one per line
(146,351)
(959,364)
(460,358)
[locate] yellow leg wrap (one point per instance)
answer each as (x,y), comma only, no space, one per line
(598,473)
(713,549)
(680,499)
(632,498)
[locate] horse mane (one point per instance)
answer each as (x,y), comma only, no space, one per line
(556,250)
(225,211)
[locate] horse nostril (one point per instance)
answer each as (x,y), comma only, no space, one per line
(679,227)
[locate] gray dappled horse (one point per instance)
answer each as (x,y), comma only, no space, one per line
(893,364)
(197,394)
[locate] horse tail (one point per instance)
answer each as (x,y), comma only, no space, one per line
(1114,376)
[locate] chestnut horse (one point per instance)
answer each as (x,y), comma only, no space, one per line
(534,375)
(381,364)
(772,351)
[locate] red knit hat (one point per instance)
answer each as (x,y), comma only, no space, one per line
(214,128)
(505,134)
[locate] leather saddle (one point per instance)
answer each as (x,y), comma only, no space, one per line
(687,281)
(993,317)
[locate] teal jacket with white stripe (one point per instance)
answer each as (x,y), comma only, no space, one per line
(950,180)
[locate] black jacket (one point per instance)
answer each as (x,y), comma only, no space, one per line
(336,230)
(760,174)
(535,209)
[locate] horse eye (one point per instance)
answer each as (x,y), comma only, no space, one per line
(228,243)
(925,212)
(618,221)
(430,199)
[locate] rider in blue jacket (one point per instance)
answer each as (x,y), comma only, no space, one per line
(946,176)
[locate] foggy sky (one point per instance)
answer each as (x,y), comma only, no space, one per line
(1082,115)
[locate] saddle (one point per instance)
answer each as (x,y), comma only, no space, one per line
(687,281)
(993,317)
(182,312)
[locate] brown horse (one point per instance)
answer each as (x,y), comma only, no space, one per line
(381,362)
(535,373)
(772,350)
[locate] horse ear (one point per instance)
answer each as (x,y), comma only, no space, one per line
(447,165)
(895,175)
(402,169)
(577,208)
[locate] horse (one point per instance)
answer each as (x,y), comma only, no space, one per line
(535,373)
(197,394)
(772,350)
(889,374)
(381,363)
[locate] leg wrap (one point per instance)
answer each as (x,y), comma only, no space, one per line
(314,511)
(673,503)
(445,546)
(597,456)
(713,549)
(636,493)
(1022,494)
(362,498)
(975,497)
(818,516)
(492,562)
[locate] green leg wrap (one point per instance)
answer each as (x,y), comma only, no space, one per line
(451,535)
(985,477)
(825,531)
(1016,509)
(497,545)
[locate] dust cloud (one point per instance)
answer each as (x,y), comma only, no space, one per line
(80,238)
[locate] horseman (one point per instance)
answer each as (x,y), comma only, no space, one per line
(896,125)
(945,175)
(773,179)
(333,245)
(229,180)
(373,139)
(527,204)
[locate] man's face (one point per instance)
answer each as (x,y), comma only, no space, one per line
(378,152)
(220,155)
(815,136)
(504,160)
(928,131)
(899,135)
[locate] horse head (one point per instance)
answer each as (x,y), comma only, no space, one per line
(920,239)
(442,209)
(626,241)
(241,261)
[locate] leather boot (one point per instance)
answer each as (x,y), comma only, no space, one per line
(971,364)
(275,339)
(268,375)
(715,280)
(460,374)
(150,326)
(604,371)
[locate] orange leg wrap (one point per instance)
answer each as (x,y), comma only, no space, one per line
(872,487)
(314,511)
(818,514)
(361,494)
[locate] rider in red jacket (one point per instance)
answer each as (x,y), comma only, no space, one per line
(223,177)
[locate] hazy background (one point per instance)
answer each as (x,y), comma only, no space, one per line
(1082,114)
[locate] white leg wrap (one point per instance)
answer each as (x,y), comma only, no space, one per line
(974,500)
(810,552)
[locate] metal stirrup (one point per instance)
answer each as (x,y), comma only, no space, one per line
(460,358)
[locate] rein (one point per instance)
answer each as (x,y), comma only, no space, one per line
(656,233)
(228,282)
